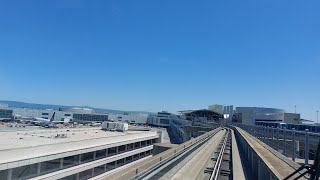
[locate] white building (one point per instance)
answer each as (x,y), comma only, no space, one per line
(165,119)
(41,113)
(134,118)
(77,114)
(251,115)
(70,153)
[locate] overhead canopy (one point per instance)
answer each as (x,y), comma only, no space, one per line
(210,115)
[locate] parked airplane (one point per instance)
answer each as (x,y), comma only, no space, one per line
(41,121)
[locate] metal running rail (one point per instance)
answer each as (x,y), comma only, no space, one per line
(217,166)
(155,169)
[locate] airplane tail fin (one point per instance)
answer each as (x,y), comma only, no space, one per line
(52,118)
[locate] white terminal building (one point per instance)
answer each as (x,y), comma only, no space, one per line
(133,118)
(253,115)
(76,114)
(71,154)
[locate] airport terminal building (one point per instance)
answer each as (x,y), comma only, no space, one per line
(133,118)
(77,114)
(71,154)
(252,115)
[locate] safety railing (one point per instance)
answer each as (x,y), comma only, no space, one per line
(300,146)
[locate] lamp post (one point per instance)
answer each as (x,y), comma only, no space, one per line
(317,117)
(295,109)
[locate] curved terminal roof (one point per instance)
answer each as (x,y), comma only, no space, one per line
(209,114)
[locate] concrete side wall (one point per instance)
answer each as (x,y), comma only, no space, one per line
(263,162)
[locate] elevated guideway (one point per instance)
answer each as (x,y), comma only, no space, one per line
(195,165)
(224,153)
(209,156)
(263,162)
(218,159)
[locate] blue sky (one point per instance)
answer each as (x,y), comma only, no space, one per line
(162,55)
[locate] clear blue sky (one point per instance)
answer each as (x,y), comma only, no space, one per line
(162,55)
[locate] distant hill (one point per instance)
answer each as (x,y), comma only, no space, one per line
(56,107)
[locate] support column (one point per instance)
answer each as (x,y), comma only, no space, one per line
(293,145)
(252,162)
(306,147)
(38,169)
(278,141)
(259,169)
(10,174)
(284,141)
(61,163)
(92,172)
(272,136)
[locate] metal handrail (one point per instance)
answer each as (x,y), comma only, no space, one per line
(155,169)
(282,137)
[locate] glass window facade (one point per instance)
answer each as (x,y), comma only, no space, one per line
(90,117)
(142,155)
(112,151)
(122,149)
(120,162)
(70,161)
(148,142)
(137,145)
(86,157)
(143,143)
(72,177)
(5,113)
(50,166)
(130,146)
(111,166)
(4,174)
(101,154)
(25,172)
(128,159)
(99,170)
(164,121)
(148,153)
(30,171)
(85,174)
(135,157)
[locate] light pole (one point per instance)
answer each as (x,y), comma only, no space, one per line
(295,109)
(317,117)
